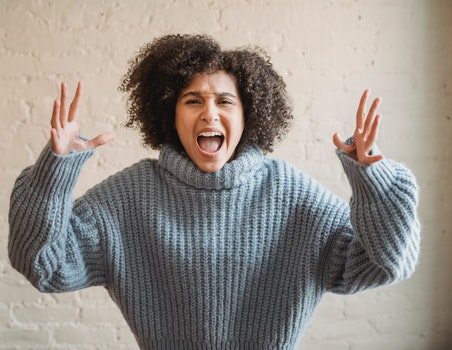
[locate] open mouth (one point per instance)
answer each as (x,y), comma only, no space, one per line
(211,141)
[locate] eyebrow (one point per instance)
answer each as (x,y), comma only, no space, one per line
(199,94)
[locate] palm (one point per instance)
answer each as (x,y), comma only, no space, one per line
(65,129)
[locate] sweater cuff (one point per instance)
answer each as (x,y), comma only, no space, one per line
(57,172)
(369,181)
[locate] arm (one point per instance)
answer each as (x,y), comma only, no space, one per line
(52,242)
(378,240)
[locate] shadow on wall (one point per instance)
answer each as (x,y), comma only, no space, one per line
(436,192)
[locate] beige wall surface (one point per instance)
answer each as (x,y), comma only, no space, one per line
(328,52)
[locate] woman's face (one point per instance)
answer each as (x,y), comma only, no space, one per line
(209,119)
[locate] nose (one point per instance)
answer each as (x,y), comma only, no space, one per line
(210,112)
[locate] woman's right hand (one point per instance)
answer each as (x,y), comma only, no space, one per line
(64,134)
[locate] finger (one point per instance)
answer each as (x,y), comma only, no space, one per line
(63,108)
(75,103)
(372,159)
(340,144)
(360,114)
(373,134)
(100,140)
(337,140)
(54,140)
(370,119)
(55,121)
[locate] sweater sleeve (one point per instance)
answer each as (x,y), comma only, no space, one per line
(378,240)
(52,243)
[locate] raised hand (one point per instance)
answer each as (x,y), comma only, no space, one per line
(64,134)
(365,134)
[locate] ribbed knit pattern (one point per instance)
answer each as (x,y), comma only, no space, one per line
(236,259)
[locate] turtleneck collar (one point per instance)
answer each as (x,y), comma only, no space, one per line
(247,161)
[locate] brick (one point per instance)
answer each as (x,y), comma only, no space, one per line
(5,317)
(102,314)
(18,294)
(18,65)
(23,338)
(45,314)
(338,330)
(79,334)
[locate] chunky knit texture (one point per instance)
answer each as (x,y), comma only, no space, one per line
(236,259)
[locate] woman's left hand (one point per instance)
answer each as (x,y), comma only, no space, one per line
(365,134)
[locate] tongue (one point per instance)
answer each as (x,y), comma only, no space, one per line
(209,144)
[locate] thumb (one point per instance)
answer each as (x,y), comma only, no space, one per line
(337,140)
(100,140)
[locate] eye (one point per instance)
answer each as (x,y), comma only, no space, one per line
(192,102)
(225,102)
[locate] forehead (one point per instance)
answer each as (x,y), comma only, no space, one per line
(216,82)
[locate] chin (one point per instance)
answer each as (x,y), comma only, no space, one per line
(211,162)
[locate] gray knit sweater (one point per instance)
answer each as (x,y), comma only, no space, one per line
(236,259)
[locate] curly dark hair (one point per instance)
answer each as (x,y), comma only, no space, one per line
(167,65)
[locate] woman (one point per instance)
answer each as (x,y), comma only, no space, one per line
(212,245)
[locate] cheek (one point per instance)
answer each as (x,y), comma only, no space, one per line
(180,121)
(184,126)
(240,127)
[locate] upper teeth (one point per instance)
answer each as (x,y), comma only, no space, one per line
(210,134)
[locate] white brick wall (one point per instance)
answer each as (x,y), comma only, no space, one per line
(328,51)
